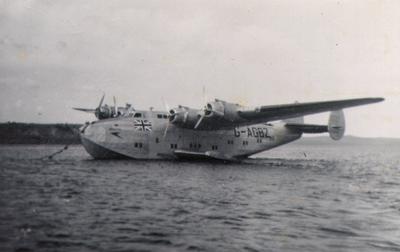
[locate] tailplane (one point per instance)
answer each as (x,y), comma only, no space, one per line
(335,127)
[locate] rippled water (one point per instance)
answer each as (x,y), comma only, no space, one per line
(294,198)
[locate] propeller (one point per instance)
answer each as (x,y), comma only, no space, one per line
(206,111)
(101,101)
(169,115)
(115,107)
(203,114)
(165,104)
(199,121)
(204,95)
(98,109)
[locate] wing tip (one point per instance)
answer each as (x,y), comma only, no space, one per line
(377,99)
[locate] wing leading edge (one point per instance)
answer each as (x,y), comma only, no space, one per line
(285,111)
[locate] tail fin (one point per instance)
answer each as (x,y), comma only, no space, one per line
(336,125)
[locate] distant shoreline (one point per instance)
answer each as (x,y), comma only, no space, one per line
(32,133)
(64,133)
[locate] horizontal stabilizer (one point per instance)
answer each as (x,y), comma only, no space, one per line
(85,110)
(336,126)
(307,128)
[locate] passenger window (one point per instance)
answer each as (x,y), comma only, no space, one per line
(138,115)
(159,116)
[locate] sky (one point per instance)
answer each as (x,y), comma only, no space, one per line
(55,55)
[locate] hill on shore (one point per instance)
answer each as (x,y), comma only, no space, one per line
(30,133)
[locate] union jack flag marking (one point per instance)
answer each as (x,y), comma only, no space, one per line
(142,125)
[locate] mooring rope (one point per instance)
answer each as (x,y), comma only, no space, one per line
(55,153)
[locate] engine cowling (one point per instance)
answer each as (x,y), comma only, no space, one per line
(214,109)
(184,116)
(215,114)
(103,112)
(222,110)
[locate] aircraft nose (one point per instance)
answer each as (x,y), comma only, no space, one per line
(94,132)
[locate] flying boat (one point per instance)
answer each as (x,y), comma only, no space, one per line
(220,131)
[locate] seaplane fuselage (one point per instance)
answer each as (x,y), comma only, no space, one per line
(150,135)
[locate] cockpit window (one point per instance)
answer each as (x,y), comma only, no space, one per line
(138,115)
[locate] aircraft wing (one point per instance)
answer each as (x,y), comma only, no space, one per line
(285,111)
(86,110)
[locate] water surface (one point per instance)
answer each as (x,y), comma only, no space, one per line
(294,198)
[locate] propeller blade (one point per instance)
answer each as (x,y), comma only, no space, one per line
(115,106)
(165,104)
(199,121)
(166,130)
(101,101)
(204,95)
(85,110)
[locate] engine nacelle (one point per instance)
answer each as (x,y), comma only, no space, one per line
(103,113)
(184,116)
(222,110)
(215,114)
(214,109)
